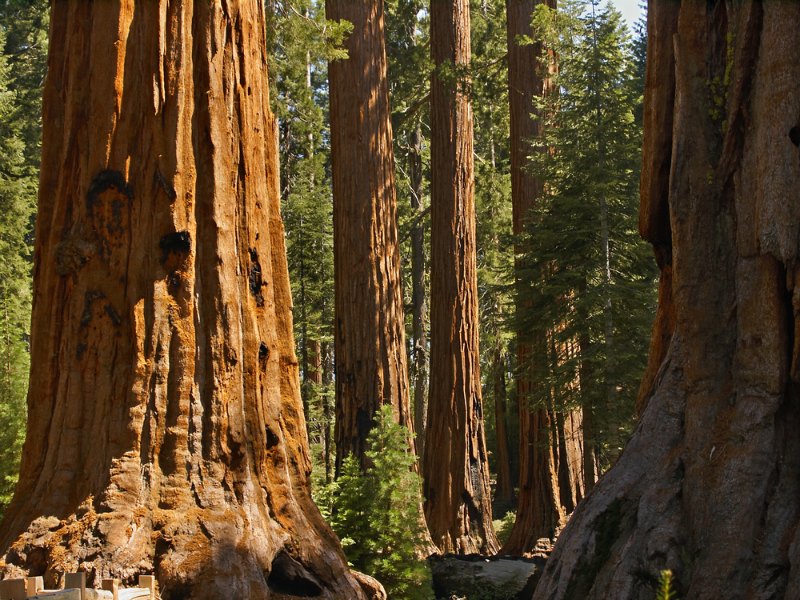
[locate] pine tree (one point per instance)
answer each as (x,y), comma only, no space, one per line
(17,205)
(375,512)
(589,271)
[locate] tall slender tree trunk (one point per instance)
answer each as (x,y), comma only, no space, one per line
(505,488)
(419,298)
(456,471)
(547,457)
(371,364)
(166,430)
(327,412)
(709,485)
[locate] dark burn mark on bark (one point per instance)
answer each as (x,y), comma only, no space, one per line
(175,247)
(290,577)
(794,135)
(88,300)
(113,314)
(363,426)
(106,180)
(108,206)
(263,352)
(254,277)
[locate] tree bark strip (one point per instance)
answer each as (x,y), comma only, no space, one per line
(709,485)
(456,471)
(166,430)
(371,363)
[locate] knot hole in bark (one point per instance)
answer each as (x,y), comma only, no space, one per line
(175,250)
(254,277)
(288,576)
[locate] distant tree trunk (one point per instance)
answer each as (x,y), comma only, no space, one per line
(708,486)
(545,454)
(419,299)
(327,413)
(456,470)
(505,490)
(165,428)
(371,364)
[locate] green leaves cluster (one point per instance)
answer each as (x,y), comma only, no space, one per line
(377,516)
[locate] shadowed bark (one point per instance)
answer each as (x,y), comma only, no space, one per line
(456,470)
(709,485)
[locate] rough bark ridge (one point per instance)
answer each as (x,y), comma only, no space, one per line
(456,470)
(165,426)
(550,474)
(371,363)
(709,485)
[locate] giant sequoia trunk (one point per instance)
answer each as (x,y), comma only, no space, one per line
(165,427)
(709,485)
(371,363)
(547,459)
(456,470)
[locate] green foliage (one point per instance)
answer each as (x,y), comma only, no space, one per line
(22,64)
(503,527)
(376,513)
(590,280)
(665,591)
(301,42)
(495,248)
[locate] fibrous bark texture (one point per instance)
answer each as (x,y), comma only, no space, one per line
(456,470)
(165,428)
(709,485)
(371,363)
(549,455)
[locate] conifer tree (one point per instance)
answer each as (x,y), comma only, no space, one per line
(23,48)
(588,270)
(17,205)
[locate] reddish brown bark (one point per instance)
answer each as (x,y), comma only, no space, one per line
(456,471)
(371,363)
(550,480)
(165,431)
(709,484)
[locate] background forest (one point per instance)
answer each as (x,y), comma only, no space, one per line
(566,303)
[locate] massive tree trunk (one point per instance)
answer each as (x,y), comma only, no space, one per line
(371,364)
(456,469)
(546,455)
(709,485)
(165,427)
